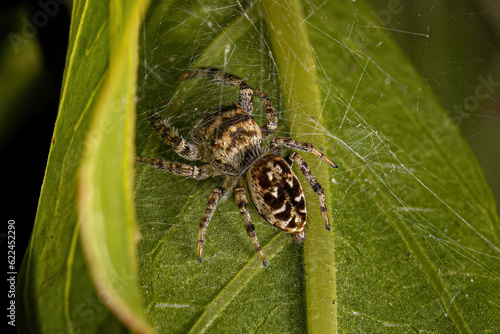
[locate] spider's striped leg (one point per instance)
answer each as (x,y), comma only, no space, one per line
(241,199)
(213,199)
(272,119)
(246,92)
(195,172)
(318,190)
(181,146)
(305,147)
(205,220)
(245,99)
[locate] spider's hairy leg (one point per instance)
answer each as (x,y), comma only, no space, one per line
(241,199)
(214,74)
(318,190)
(305,147)
(272,119)
(299,236)
(205,220)
(181,146)
(195,172)
(216,194)
(245,99)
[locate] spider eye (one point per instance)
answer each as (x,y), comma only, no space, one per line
(251,116)
(213,142)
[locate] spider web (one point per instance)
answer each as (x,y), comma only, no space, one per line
(407,214)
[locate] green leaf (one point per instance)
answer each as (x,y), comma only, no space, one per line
(106,174)
(415,244)
(415,240)
(93,138)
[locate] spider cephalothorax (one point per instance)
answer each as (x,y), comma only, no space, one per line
(230,138)
(230,142)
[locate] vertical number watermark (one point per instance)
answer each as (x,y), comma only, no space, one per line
(11,272)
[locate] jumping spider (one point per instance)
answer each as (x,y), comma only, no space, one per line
(230,142)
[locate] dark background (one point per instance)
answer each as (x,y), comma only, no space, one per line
(30,84)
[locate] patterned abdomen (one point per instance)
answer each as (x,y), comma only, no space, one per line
(277,194)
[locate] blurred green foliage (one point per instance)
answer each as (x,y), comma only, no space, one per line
(455,47)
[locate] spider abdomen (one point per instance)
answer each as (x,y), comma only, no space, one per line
(277,194)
